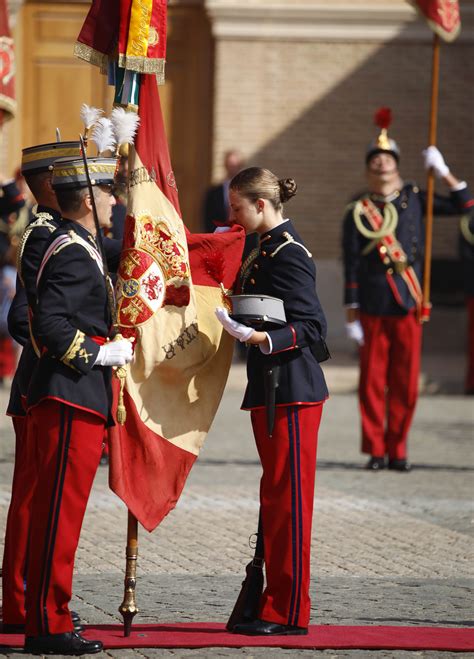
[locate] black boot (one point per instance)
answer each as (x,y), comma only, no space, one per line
(399,465)
(375,464)
(67,643)
(265,628)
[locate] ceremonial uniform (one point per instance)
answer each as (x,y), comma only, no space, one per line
(36,160)
(68,402)
(30,252)
(466,250)
(383,278)
(283,268)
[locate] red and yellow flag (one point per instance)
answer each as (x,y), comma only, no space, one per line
(442,15)
(132,32)
(169,283)
(7,67)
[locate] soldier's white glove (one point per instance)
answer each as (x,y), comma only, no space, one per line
(235,329)
(223,229)
(115,353)
(433,159)
(355,332)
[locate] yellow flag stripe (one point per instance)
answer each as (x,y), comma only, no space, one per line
(139,29)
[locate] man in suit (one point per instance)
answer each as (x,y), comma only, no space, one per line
(216,208)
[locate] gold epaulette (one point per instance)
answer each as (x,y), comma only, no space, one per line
(289,240)
(42,220)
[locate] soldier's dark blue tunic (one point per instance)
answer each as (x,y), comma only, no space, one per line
(72,308)
(366,276)
(30,253)
(289,274)
(32,246)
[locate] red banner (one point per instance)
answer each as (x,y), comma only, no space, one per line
(7,67)
(442,15)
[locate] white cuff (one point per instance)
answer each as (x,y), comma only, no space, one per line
(462,185)
(266,351)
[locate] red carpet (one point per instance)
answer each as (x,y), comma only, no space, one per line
(320,637)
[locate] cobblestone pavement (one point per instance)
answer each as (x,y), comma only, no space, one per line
(388,548)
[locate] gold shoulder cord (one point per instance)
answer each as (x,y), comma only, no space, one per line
(465,230)
(42,220)
(289,241)
(245,269)
(390,222)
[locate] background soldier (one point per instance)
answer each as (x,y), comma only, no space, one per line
(383,243)
(36,167)
(216,207)
(466,249)
(69,399)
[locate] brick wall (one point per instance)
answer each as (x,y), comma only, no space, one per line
(304,109)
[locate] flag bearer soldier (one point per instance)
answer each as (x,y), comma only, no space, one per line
(283,268)
(36,167)
(383,244)
(69,398)
(466,249)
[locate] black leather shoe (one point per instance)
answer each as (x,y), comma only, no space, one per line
(67,643)
(375,464)
(264,628)
(5,628)
(399,465)
(75,617)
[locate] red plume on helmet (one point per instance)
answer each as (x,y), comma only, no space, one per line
(383,117)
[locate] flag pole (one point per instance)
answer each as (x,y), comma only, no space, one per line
(128,608)
(426,308)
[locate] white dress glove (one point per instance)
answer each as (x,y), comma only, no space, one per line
(433,159)
(115,353)
(223,229)
(235,329)
(355,332)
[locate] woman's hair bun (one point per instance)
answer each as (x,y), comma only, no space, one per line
(288,188)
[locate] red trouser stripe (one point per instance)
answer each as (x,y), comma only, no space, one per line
(297,513)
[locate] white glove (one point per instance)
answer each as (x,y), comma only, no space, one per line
(235,329)
(115,353)
(223,229)
(434,159)
(355,332)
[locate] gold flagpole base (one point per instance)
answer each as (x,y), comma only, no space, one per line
(128,609)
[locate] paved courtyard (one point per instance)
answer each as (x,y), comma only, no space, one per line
(388,548)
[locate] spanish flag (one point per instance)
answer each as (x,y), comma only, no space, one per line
(132,32)
(169,283)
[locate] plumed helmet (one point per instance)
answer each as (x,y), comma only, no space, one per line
(382,143)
